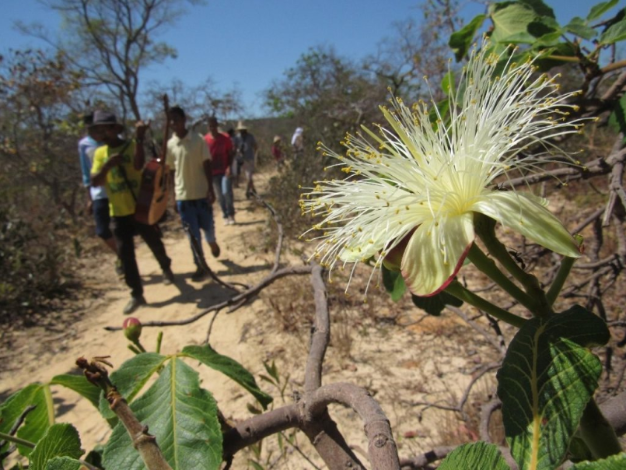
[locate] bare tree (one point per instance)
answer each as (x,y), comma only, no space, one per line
(110,41)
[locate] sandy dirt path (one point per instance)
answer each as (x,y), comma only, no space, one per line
(400,372)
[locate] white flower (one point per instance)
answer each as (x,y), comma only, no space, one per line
(425,183)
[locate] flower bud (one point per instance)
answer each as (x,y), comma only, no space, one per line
(132,329)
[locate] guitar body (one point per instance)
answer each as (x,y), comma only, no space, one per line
(152,197)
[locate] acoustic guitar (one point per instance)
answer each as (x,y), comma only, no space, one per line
(152,198)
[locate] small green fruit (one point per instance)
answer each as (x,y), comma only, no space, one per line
(132,329)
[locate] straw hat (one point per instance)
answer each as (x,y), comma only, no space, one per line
(105,118)
(276,138)
(241,126)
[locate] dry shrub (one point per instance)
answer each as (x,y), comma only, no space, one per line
(453,430)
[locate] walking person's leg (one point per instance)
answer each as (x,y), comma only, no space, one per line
(123,231)
(152,236)
(205,220)
(188,216)
(100,208)
(248,168)
(219,193)
(229,200)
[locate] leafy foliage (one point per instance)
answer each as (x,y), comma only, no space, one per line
(182,416)
(473,456)
(545,382)
(229,367)
(61,440)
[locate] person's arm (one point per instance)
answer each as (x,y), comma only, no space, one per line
(208,173)
(140,133)
(171,176)
(209,177)
(99,171)
(255,148)
(230,152)
(85,168)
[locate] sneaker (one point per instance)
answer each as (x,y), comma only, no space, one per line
(119,269)
(231,221)
(198,275)
(133,304)
(168,277)
(215,249)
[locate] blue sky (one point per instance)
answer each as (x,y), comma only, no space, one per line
(252,42)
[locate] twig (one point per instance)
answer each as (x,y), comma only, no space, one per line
(420,461)
(321,333)
(486,334)
(485,418)
(145,443)
(208,333)
(246,295)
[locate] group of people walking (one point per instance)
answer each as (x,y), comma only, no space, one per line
(202,169)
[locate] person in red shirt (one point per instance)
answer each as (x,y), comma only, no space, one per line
(222,153)
(277,152)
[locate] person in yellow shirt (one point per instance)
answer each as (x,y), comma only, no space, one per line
(117,165)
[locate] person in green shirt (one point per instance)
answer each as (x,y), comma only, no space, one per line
(117,166)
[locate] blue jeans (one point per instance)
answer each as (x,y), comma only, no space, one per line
(198,214)
(224,191)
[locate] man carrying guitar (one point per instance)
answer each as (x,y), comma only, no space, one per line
(117,166)
(189,156)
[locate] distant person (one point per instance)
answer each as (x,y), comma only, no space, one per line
(297,143)
(222,153)
(237,161)
(188,155)
(277,152)
(117,166)
(97,199)
(246,146)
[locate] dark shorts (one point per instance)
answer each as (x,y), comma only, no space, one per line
(103,218)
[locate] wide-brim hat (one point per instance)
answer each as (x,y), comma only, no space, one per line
(106,118)
(241,126)
(276,138)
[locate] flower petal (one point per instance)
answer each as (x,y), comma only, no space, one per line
(526,216)
(436,252)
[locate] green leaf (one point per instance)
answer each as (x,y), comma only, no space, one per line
(600,9)
(435,304)
(229,367)
(474,456)
(256,465)
(546,380)
(37,421)
(615,33)
(447,83)
(544,27)
(510,19)
(615,462)
(540,7)
(61,440)
(440,112)
(183,418)
(131,376)
(272,370)
(80,385)
(579,27)
(394,283)
(461,40)
(617,119)
(64,463)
